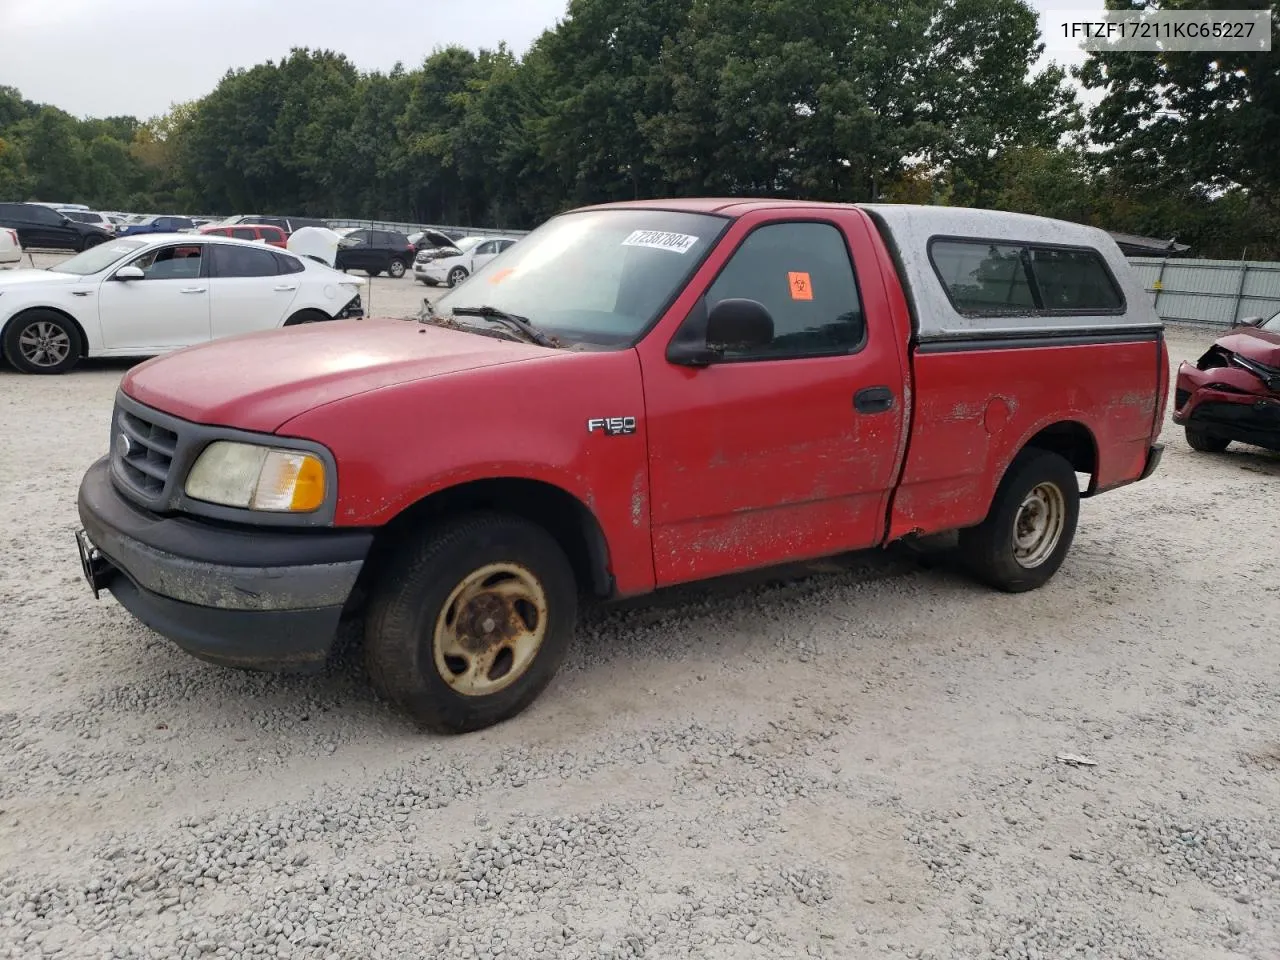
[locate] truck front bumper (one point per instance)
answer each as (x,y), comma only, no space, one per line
(260,598)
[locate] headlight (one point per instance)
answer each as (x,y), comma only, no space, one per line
(257,478)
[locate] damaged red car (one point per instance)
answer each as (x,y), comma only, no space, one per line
(1233,391)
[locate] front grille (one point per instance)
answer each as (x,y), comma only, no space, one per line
(142,451)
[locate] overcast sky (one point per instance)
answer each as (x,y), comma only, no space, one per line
(110,57)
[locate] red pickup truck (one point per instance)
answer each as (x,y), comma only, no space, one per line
(634,396)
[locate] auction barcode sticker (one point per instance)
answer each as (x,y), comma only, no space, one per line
(660,240)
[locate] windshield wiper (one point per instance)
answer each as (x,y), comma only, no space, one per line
(512,320)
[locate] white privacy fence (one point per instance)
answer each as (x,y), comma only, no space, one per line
(1216,292)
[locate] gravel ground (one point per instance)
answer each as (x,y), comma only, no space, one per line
(855,760)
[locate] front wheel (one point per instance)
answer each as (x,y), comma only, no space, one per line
(396,269)
(373,273)
(1030,525)
(1205,442)
(457,275)
(42,341)
(471,623)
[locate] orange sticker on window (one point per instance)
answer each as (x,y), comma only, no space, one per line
(801,287)
(502,275)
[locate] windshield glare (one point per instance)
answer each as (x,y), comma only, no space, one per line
(599,277)
(100,257)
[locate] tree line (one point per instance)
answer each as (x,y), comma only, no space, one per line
(931,101)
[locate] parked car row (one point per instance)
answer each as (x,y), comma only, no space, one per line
(67,226)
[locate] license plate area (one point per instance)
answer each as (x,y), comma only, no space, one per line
(96,568)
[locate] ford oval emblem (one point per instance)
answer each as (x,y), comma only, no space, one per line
(124,446)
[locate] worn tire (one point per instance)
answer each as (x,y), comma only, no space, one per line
(457,275)
(988,550)
(307,316)
(409,602)
(1204,441)
(25,321)
(396,269)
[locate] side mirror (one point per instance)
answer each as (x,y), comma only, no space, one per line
(130,273)
(1249,322)
(66,221)
(731,324)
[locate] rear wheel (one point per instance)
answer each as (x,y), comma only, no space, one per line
(470,623)
(396,269)
(91,241)
(307,316)
(1205,442)
(42,341)
(1030,525)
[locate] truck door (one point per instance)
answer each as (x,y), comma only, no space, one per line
(789,451)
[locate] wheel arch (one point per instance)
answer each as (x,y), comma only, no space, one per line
(293,321)
(569,521)
(1071,440)
(84,339)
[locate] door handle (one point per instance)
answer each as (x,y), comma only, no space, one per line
(285,288)
(194,289)
(873,400)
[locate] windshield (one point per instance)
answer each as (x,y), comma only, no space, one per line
(100,257)
(600,276)
(466,243)
(1272,325)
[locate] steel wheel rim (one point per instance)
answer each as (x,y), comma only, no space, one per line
(397,268)
(1038,526)
(490,629)
(44,344)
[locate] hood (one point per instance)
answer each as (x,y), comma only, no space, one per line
(1260,346)
(13,278)
(262,380)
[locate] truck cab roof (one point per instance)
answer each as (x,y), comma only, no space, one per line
(910,232)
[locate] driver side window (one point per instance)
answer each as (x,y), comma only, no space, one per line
(802,274)
(171,263)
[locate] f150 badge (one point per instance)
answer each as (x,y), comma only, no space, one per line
(612,426)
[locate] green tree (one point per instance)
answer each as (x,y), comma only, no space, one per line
(825,98)
(599,78)
(55,155)
(1188,118)
(435,110)
(15,180)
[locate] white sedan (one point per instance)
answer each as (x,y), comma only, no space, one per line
(10,247)
(143,296)
(452,267)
